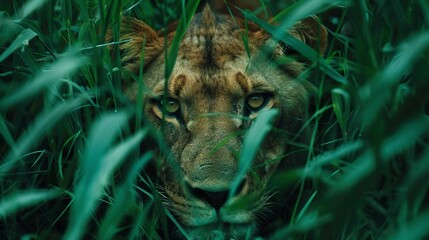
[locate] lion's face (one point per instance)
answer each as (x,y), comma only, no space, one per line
(215,92)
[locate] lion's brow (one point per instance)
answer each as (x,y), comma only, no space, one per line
(243,82)
(177,84)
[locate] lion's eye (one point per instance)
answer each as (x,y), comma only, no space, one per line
(256,101)
(170,106)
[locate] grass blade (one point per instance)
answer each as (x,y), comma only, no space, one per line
(35,132)
(407,135)
(303,9)
(122,202)
(6,133)
(306,206)
(30,7)
(184,21)
(17,201)
(179,227)
(64,67)
(98,167)
(20,41)
(341,103)
(281,34)
(252,140)
(374,94)
(417,229)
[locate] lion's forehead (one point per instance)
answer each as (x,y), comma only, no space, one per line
(211,41)
(211,51)
(232,81)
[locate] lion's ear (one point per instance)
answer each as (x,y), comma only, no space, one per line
(134,35)
(311,32)
(308,31)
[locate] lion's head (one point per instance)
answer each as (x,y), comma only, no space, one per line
(219,85)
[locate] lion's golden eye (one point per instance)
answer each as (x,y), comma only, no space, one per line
(170,105)
(256,101)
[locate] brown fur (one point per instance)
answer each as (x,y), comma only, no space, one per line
(211,81)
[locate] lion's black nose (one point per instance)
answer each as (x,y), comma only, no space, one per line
(215,199)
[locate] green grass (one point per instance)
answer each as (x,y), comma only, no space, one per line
(70,161)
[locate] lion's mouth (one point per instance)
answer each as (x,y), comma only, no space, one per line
(222,231)
(217,209)
(215,213)
(222,226)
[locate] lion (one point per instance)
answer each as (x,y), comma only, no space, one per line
(218,87)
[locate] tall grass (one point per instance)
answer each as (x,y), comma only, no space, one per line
(70,159)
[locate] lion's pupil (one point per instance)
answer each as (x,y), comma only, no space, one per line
(256,101)
(171,106)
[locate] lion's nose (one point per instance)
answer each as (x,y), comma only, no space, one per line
(215,198)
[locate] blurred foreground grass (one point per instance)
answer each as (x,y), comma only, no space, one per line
(70,162)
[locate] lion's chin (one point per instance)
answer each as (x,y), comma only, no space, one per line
(221,231)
